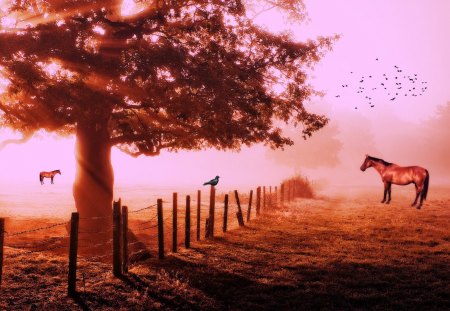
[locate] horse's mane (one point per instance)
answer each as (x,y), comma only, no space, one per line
(380,161)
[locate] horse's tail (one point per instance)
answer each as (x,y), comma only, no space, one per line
(425,185)
(40,177)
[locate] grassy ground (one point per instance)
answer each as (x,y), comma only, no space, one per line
(327,253)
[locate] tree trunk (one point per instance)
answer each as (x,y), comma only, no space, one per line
(94,180)
(93,189)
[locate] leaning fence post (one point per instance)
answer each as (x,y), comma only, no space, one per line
(239,212)
(125,239)
(175,222)
(199,203)
(249,205)
(212,203)
(187,239)
(2,240)
(160,230)
(225,213)
(258,200)
(73,251)
(117,262)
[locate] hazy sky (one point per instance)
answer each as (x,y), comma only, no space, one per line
(412,34)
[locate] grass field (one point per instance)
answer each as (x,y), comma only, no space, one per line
(326,253)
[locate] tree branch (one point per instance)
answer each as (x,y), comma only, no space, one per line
(24,139)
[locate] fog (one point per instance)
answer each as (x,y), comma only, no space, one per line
(334,155)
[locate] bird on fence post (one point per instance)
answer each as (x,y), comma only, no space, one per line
(212,182)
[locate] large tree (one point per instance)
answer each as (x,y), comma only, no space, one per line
(191,74)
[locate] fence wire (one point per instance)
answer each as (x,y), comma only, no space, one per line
(95,232)
(142,209)
(36,229)
(149,227)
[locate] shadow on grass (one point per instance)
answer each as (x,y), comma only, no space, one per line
(339,285)
(78,299)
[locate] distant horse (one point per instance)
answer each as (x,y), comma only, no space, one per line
(50,175)
(400,175)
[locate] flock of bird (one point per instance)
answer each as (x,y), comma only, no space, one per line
(393,85)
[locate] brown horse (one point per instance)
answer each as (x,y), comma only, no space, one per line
(400,175)
(48,175)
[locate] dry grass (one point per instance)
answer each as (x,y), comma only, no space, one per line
(327,253)
(301,185)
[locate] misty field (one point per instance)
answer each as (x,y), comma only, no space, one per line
(332,252)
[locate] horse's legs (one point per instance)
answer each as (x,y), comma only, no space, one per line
(385,192)
(417,195)
(389,193)
(421,197)
(51,179)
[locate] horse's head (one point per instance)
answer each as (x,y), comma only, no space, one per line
(366,164)
(58,171)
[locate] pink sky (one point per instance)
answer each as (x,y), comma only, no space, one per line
(410,33)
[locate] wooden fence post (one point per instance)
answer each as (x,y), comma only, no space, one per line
(249,205)
(264,198)
(125,239)
(199,203)
(239,212)
(282,195)
(212,203)
(117,260)
(270,196)
(73,252)
(187,239)
(175,223)
(2,241)
(225,213)
(206,227)
(258,200)
(160,230)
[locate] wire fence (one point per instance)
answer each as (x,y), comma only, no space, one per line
(99,237)
(11,234)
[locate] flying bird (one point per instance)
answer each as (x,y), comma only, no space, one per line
(385,83)
(212,182)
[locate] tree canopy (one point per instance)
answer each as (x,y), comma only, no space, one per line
(175,75)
